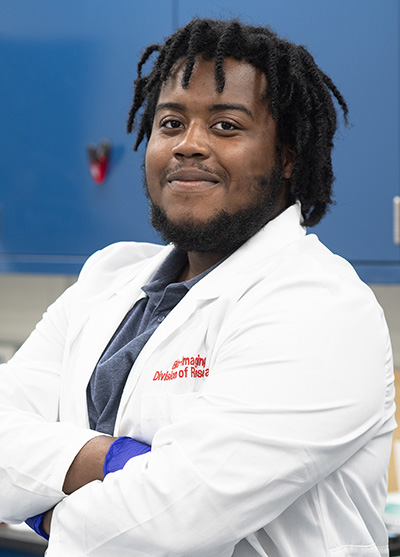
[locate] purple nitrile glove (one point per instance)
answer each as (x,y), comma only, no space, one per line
(122,450)
(35,523)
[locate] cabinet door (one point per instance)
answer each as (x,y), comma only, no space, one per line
(356,43)
(66,80)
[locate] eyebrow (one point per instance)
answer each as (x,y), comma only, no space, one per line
(211,108)
(229,106)
(173,106)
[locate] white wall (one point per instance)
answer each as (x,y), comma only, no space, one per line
(23,300)
(389,298)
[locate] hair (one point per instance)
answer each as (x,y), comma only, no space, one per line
(300,97)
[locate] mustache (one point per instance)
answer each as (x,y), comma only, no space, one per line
(222,176)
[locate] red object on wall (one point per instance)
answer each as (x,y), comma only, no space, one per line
(99,157)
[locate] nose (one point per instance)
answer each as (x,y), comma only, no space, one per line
(192,142)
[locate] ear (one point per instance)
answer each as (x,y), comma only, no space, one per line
(288,160)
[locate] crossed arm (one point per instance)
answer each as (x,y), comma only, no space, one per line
(97,458)
(85,468)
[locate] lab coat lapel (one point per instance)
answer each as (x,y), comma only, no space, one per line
(180,314)
(96,330)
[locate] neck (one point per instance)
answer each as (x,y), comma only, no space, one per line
(198,263)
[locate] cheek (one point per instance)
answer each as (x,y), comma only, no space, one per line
(158,151)
(255,158)
(244,170)
(152,160)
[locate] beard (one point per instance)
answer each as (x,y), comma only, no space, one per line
(224,232)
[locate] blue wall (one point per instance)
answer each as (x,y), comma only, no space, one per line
(66,81)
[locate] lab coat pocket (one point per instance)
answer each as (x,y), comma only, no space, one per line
(160,410)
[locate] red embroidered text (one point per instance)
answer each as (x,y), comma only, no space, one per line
(192,366)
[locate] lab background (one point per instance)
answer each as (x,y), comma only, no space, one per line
(70,183)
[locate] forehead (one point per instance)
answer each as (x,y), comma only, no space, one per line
(244,83)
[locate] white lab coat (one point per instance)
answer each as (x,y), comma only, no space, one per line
(266,394)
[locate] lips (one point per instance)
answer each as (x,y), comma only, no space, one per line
(191,180)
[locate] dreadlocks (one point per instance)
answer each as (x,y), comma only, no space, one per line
(299,96)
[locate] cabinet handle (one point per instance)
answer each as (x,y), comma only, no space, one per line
(396,219)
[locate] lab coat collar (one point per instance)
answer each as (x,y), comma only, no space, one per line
(284,229)
(277,233)
(126,289)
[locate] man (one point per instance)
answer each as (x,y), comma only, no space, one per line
(252,361)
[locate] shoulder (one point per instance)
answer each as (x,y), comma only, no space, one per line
(318,279)
(305,304)
(305,284)
(109,268)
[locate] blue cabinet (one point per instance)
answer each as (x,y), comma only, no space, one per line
(66,81)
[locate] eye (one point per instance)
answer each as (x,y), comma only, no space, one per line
(225,126)
(171,124)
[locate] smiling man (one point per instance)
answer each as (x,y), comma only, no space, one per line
(231,393)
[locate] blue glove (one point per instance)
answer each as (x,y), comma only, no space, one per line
(35,523)
(122,450)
